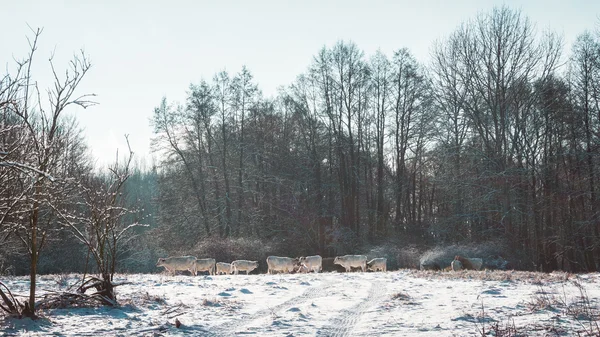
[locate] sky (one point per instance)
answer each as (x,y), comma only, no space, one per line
(142,51)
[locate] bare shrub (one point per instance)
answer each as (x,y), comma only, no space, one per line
(398,255)
(487,326)
(63,280)
(211,302)
(508,329)
(147,298)
(495,255)
(542,300)
(435,259)
(583,310)
(580,308)
(408,257)
(401,296)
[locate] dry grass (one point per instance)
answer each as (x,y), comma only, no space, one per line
(508,329)
(222,304)
(401,296)
(212,302)
(584,310)
(398,299)
(543,300)
(147,298)
(144,300)
(495,275)
(579,307)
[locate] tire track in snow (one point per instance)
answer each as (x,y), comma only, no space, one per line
(229,328)
(342,324)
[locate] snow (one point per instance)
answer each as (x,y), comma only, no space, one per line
(396,303)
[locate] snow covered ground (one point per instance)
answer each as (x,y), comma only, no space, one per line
(397,303)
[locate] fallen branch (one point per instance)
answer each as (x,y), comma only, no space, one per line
(11,305)
(104,289)
(74,300)
(172,309)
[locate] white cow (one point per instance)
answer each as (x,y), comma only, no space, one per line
(243,265)
(206,265)
(173,264)
(379,263)
(278,263)
(312,263)
(223,267)
(352,261)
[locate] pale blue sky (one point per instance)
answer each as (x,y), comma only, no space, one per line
(144,50)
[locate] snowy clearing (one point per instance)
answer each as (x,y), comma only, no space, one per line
(398,303)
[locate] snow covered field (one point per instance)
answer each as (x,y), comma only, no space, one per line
(398,303)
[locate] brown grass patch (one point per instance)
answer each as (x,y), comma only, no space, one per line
(495,275)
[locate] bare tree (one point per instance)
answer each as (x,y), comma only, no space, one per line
(408,94)
(305,101)
(223,96)
(98,223)
(40,132)
(176,131)
(585,79)
(381,94)
(244,92)
(200,110)
(450,95)
(347,75)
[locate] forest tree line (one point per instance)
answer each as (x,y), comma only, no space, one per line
(494,140)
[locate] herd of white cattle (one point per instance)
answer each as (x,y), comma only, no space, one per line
(275,264)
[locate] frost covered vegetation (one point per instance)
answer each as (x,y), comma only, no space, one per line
(489,151)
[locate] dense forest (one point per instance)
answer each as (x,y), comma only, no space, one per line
(494,141)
